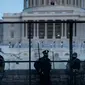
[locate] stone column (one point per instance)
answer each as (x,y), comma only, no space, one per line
(83,3)
(31,3)
(80,3)
(75,2)
(39,2)
(60,2)
(45,30)
(26,30)
(44,2)
(71,2)
(65,29)
(65,2)
(49,2)
(62,29)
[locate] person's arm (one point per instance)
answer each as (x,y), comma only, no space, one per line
(50,64)
(68,65)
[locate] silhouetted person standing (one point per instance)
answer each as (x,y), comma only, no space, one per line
(75,63)
(43,67)
(75,66)
(2,65)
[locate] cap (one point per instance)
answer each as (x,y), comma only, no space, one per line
(74,54)
(45,51)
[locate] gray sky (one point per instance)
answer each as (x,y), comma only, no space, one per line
(10,6)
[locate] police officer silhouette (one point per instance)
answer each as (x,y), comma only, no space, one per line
(43,67)
(75,66)
(75,63)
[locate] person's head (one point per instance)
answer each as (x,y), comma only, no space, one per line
(45,53)
(74,55)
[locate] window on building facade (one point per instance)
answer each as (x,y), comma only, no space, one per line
(30,26)
(12,33)
(36,2)
(29,2)
(63,1)
(73,2)
(32,2)
(68,29)
(57,30)
(63,29)
(50,30)
(67,1)
(77,2)
(42,2)
(36,29)
(75,30)
(41,30)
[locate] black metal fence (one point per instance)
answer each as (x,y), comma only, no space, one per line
(29,76)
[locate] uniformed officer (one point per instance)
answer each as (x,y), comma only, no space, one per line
(75,66)
(75,63)
(43,67)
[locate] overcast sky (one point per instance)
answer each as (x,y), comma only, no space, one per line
(10,6)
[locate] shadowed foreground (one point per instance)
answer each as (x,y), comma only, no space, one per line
(21,77)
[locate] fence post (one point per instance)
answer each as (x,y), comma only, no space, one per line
(71,49)
(29,28)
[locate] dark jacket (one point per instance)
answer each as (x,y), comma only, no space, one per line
(43,65)
(2,63)
(75,64)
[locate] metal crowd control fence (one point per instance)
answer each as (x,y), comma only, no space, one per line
(30,61)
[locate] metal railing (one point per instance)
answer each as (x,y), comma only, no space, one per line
(30,61)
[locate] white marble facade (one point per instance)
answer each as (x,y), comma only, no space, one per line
(51,36)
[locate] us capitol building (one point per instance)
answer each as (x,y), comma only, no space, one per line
(51,36)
